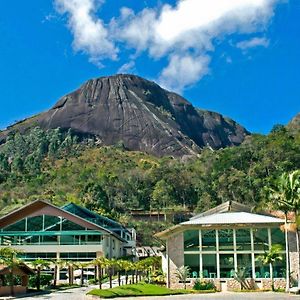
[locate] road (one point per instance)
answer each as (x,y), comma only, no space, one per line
(80,294)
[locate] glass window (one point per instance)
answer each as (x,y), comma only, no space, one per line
(69,226)
(208,240)
(193,262)
(261,239)
(278,237)
(243,239)
(227,266)
(225,240)
(191,240)
(261,270)
(52,223)
(35,223)
(49,240)
(209,265)
(244,262)
(18,226)
(279,268)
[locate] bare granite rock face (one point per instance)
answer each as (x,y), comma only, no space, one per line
(140,114)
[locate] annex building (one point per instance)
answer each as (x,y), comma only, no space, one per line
(221,241)
(42,230)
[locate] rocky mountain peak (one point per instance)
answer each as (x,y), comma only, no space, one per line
(140,114)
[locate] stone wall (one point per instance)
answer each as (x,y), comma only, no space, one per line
(176,257)
(294,264)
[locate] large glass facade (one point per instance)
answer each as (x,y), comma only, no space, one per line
(220,253)
(48,230)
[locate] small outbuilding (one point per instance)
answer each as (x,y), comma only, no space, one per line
(20,275)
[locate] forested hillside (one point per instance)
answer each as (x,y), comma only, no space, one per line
(62,167)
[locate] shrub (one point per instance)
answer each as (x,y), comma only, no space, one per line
(203,285)
(45,280)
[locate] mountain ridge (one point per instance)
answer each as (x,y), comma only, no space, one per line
(140,114)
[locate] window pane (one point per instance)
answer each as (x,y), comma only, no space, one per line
(261,271)
(191,240)
(35,223)
(225,240)
(244,262)
(261,240)
(193,262)
(209,265)
(18,226)
(278,237)
(227,266)
(279,268)
(243,239)
(208,240)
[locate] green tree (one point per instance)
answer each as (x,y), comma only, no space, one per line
(285,195)
(183,273)
(162,195)
(39,265)
(270,257)
(101,263)
(8,257)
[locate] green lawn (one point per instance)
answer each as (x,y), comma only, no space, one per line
(140,289)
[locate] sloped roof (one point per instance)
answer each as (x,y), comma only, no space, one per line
(232,206)
(233,218)
(91,216)
(228,213)
(40,207)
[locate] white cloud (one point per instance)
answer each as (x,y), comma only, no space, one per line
(126,68)
(185,33)
(183,71)
(253,43)
(90,33)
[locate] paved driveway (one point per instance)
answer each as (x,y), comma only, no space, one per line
(223,296)
(80,294)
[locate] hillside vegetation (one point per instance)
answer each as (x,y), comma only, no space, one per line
(62,167)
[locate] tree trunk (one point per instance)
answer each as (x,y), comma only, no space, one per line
(100,277)
(110,278)
(81,277)
(272,278)
(132,276)
(55,276)
(126,277)
(119,278)
(38,279)
(136,276)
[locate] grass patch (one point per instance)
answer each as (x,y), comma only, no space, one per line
(140,289)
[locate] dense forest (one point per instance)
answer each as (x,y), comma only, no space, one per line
(62,167)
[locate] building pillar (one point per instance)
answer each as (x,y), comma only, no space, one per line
(58,267)
(218,256)
(252,253)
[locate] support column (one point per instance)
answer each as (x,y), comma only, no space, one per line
(270,245)
(218,256)
(58,267)
(234,249)
(252,253)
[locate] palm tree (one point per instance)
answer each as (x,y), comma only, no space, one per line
(101,263)
(81,266)
(270,257)
(183,274)
(128,266)
(70,264)
(58,263)
(8,257)
(285,195)
(39,264)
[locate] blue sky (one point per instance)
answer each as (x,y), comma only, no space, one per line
(241,61)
